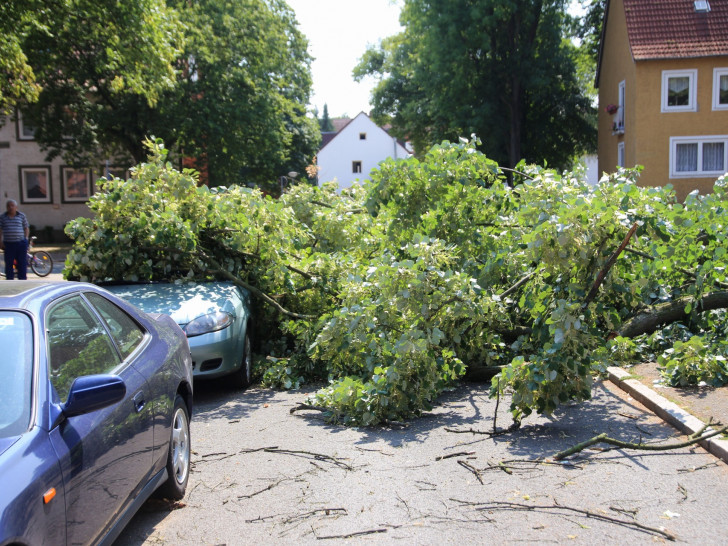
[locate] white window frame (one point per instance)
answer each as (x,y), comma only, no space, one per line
(620,155)
(700,140)
(24,131)
(717,73)
(619,118)
(692,105)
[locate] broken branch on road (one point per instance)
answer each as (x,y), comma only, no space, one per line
(308,455)
(351,535)
(603,438)
(556,507)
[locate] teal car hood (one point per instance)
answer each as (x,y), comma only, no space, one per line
(183,302)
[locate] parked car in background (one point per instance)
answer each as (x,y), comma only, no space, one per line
(95,402)
(215,316)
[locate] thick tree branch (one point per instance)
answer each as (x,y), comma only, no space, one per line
(610,262)
(217,270)
(650,320)
(517,285)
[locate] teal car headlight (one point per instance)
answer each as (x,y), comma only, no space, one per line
(208,323)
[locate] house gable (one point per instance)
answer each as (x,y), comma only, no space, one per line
(353,152)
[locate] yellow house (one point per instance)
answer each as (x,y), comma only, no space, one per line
(662,77)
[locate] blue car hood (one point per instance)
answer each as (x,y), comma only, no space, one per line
(183,302)
(5,443)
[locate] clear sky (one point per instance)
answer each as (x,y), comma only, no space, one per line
(338,32)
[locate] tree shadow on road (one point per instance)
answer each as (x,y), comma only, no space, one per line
(467,414)
(218,399)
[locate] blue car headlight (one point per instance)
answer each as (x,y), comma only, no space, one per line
(208,323)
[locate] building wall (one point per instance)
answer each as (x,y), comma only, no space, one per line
(654,127)
(616,66)
(647,130)
(336,158)
(14,154)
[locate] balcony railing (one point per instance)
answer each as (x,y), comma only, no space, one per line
(618,122)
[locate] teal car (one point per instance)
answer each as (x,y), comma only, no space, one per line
(215,316)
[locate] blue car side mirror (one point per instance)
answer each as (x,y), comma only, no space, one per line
(93,392)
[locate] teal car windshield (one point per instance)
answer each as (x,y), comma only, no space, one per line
(16,373)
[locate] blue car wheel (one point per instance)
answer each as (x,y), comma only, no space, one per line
(178,458)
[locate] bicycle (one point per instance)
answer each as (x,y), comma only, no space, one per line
(40,262)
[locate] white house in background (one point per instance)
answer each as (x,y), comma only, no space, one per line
(355,150)
(591,163)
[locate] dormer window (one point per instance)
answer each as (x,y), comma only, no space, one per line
(702,6)
(679,90)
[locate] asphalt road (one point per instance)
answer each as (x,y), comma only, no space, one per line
(262,474)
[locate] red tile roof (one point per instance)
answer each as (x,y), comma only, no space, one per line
(672,29)
(339,124)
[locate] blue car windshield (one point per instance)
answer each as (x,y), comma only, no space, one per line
(16,373)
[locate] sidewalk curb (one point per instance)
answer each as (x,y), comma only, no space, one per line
(666,410)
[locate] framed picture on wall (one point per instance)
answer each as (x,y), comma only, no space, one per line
(75,184)
(35,184)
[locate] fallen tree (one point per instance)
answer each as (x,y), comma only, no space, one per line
(394,289)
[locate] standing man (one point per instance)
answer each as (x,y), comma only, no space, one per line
(14,233)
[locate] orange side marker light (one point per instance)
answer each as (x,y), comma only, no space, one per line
(48,495)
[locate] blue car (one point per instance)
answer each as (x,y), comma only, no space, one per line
(95,403)
(215,316)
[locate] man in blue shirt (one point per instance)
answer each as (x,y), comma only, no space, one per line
(14,233)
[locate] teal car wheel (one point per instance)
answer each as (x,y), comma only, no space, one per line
(244,374)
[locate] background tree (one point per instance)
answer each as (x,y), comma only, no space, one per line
(590,27)
(240,107)
(223,83)
(17,80)
(325,122)
(502,70)
(89,58)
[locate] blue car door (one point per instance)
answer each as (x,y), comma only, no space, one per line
(106,455)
